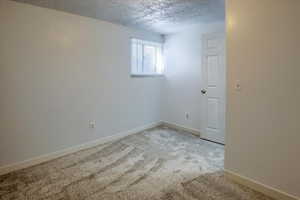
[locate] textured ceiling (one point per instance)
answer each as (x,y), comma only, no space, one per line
(161,16)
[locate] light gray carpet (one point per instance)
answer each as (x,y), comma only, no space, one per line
(159,164)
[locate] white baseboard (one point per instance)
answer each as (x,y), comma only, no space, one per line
(44,158)
(193,131)
(267,190)
(182,128)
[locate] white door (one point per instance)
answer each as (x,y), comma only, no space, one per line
(213,91)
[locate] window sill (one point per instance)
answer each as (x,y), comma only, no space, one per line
(146,75)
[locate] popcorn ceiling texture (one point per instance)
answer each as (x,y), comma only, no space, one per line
(159,164)
(161,16)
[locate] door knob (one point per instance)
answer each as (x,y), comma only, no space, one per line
(203,91)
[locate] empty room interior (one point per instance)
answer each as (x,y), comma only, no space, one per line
(149,100)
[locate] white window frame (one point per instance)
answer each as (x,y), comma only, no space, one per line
(137,69)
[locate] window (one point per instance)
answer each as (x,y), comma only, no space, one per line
(146,58)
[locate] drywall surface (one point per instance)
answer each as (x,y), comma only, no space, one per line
(263,137)
(183,83)
(58,71)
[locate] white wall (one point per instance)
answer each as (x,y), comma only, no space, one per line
(57,72)
(263,134)
(183,84)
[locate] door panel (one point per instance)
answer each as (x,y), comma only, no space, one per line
(212,116)
(212,70)
(213,76)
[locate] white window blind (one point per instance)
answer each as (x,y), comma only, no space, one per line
(146,58)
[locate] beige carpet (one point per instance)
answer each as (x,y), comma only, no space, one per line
(159,164)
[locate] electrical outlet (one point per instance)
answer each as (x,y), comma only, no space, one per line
(92,124)
(187,116)
(238,85)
